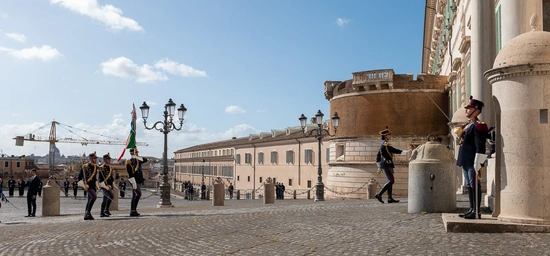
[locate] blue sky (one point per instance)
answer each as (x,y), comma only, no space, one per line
(238,66)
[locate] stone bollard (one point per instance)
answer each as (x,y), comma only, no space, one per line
(238,194)
(294,194)
(208,194)
(50,200)
(432,186)
(309,194)
(269,191)
(114,203)
(372,188)
(219,192)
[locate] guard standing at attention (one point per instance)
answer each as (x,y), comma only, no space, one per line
(471,154)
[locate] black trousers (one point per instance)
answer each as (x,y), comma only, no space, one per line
(31,204)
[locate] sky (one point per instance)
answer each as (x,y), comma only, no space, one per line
(240,67)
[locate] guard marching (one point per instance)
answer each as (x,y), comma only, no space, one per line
(106,180)
(87,179)
(75,186)
(11,186)
(135,174)
(66,184)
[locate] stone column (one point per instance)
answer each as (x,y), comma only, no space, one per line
(483,52)
(50,200)
(219,192)
(514,13)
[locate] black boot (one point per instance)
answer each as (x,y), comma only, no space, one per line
(103,204)
(471,201)
(472,214)
(88,216)
(390,198)
(381,192)
(133,206)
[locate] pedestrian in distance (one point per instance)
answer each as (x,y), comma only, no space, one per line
(230,190)
(472,137)
(106,180)
(122,187)
(21,187)
(75,187)
(88,176)
(66,185)
(384,162)
(11,186)
(32,193)
(40,189)
(135,174)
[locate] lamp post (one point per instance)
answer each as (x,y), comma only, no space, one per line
(202,180)
(319,134)
(165,127)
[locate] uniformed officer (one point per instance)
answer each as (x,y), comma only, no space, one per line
(106,177)
(66,184)
(135,174)
(75,186)
(471,154)
(11,186)
(122,187)
(385,157)
(88,174)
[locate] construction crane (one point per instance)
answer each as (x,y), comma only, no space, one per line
(52,139)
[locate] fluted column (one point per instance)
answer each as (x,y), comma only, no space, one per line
(515,17)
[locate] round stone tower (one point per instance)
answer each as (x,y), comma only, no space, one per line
(367,103)
(521,95)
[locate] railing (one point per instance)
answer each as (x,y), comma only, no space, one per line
(373,76)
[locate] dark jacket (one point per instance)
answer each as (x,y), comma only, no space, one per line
(386,152)
(106,174)
(133,167)
(474,137)
(33,186)
(89,171)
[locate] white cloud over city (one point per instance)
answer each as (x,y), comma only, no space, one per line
(234,110)
(17,37)
(45,53)
(109,15)
(342,22)
(125,68)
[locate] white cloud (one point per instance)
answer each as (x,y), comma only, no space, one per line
(178,69)
(45,53)
(234,110)
(125,68)
(4,15)
(341,22)
(17,37)
(107,14)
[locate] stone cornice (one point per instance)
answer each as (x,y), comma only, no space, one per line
(354,94)
(497,74)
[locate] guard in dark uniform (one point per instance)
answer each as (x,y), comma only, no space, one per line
(66,184)
(385,158)
(471,154)
(88,174)
(135,174)
(122,187)
(11,186)
(75,186)
(106,179)
(31,193)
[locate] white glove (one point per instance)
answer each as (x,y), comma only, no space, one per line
(479,160)
(404,152)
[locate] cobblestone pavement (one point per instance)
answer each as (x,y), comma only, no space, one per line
(249,227)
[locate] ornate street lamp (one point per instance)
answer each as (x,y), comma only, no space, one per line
(165,127)
(203,194)
(319,134)
(202,161)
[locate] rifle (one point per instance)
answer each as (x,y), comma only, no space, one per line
(7,201)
